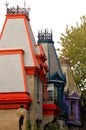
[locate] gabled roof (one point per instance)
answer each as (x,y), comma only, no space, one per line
(56,79)
(56,76)
(73,94)
(70,81)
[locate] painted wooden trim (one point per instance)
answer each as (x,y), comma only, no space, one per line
(32,70)
(29,39)
(14,100)
(51,109)
(12,51)
(3,28)
(24,73)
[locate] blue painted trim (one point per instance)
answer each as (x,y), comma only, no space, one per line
(56,76)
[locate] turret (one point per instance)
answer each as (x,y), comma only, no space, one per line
(44,37)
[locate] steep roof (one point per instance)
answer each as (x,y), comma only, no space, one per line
(70,82)
(45,39)
(17,33)
(17,51)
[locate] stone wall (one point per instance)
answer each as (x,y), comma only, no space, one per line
(9,120)
(47,119)
(36,105)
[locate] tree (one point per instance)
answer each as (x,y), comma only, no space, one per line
(73,44)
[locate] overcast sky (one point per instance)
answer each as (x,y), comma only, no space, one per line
(51,14)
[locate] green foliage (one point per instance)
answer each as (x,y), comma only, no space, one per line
(53,126)
(73,44)
(28,125)
(38,127)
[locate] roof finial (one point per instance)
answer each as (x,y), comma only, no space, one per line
(24,3)
(6,4)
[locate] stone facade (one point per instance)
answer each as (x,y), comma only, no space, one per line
(9,120)
(36,106)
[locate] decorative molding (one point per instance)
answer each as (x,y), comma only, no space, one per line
(14,100)
(17,10)
(32,70)
(11,51)
(51,109)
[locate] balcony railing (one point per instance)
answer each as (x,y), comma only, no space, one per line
(18,10)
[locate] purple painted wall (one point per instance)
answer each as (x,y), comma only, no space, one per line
(72,102)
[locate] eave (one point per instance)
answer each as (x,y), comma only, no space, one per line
(14,100)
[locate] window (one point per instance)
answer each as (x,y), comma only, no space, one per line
(50,95)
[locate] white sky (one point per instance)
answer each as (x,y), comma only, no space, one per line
(51,14)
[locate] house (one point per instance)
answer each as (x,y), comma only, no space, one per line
(31,78)
(72,96)
(22,74)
